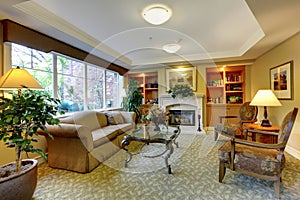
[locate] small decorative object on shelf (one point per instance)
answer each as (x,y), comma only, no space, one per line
(179,90)
(234,99)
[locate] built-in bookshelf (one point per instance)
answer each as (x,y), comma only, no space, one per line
(225,91)
(148,85)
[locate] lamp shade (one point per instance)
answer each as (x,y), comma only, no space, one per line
(265,98)
(16,78)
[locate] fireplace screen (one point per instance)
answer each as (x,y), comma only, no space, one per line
(182,117)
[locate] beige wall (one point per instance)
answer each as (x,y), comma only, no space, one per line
(289,50)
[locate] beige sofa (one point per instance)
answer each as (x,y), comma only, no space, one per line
(86,139)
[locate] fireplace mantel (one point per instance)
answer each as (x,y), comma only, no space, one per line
(196,101)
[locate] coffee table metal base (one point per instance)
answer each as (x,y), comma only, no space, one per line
(168,151)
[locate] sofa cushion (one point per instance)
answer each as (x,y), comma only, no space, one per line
(124,127)
(104,135)
(109,133)
(85,118)
(114,118)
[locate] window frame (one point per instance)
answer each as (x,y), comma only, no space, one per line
(55,75)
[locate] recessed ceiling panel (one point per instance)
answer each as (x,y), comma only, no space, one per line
(204,29)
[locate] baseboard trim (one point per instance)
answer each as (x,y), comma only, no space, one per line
(294,152)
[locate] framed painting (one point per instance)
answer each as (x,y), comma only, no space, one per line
(181,76)
(281,80)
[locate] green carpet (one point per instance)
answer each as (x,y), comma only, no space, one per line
(195,176)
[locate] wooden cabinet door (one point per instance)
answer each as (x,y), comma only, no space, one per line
(232,110)
(213,112)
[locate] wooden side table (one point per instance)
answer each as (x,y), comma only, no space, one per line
(263,138)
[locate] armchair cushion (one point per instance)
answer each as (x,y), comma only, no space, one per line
(229,130)
(248,158)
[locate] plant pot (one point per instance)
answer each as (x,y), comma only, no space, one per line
(20,186)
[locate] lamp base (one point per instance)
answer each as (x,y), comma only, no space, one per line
(265,123)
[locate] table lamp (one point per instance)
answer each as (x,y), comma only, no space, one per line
(17,78)
(265,98)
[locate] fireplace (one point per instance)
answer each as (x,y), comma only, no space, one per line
(182,117)
(186,112)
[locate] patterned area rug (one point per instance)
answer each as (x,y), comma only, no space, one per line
(194,176)
(149,158)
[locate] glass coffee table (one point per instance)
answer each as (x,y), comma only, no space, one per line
(147,134)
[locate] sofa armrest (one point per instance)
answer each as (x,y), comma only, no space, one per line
(72,131)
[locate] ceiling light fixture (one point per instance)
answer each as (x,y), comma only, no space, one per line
(157,14)
(171,48)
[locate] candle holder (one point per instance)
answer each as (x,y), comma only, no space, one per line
(199,126)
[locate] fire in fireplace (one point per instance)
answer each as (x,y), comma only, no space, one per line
(182,117)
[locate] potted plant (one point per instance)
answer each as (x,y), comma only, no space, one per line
(181,90)
(20,118)
(133,98)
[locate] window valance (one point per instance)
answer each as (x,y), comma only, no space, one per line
(17,33)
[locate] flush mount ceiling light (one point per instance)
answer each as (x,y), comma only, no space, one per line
(171,48)
(157,14)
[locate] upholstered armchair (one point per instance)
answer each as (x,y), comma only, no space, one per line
(247,114)
(265,161)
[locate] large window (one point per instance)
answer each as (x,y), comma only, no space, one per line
(77,84)
(38,63)
(111,87)
(70,87)
(95,87)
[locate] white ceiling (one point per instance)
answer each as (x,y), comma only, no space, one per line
(206,29)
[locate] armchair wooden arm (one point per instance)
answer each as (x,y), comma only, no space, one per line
(256,131)
(258,144)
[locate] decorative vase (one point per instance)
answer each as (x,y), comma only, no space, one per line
(156,128)
(20,186)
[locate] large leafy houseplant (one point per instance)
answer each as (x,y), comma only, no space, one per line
(133,98)
(20,118)
(181,90)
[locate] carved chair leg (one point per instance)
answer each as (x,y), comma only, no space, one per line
(277,188)
(222,171)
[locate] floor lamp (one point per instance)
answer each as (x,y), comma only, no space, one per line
(265,98)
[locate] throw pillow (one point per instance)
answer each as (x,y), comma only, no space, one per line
(115,118)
